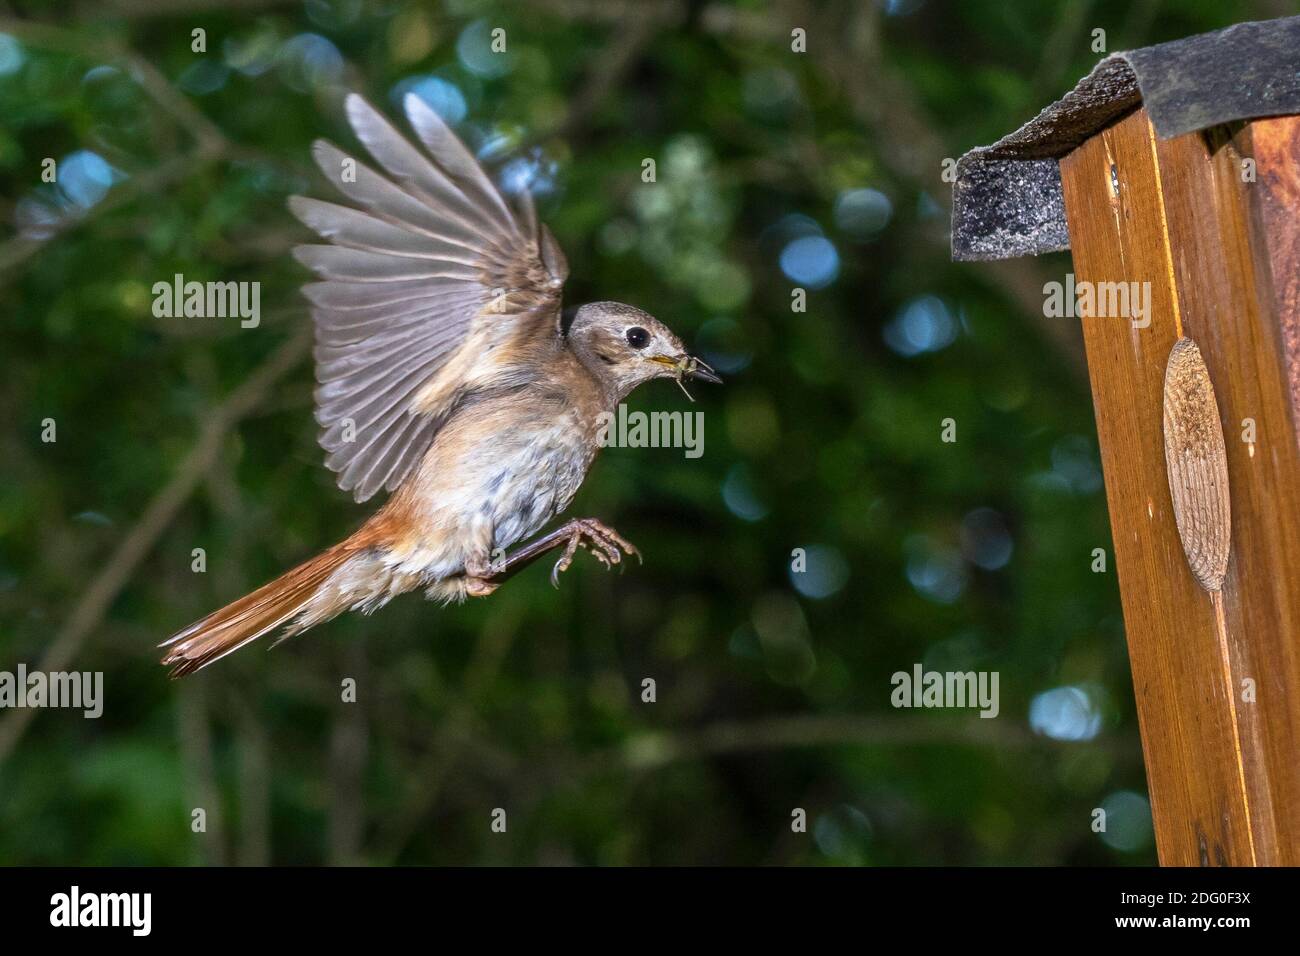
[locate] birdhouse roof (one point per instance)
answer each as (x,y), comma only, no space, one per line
(1007,198)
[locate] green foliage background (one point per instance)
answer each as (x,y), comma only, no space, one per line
(823,437)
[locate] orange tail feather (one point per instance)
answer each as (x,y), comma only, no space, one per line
(252,616)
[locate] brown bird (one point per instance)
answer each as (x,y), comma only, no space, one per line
(448,376)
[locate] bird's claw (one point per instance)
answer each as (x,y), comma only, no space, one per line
(605,544)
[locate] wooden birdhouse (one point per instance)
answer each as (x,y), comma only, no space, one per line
(1172,173)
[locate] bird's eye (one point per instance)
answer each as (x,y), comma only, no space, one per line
(638,337)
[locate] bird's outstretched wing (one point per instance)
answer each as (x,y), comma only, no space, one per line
(422,287)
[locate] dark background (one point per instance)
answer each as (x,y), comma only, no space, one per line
(775,169)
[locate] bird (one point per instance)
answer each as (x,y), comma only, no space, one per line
(449,375)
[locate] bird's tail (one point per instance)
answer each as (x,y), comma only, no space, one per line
(256,614)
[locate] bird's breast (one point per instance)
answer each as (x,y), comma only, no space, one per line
(534,481)
(496,477)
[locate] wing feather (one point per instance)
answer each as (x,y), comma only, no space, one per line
(357,230)
(348,296)
(358,265)
(432,256)
(418,176)
(358,182)
(453,156)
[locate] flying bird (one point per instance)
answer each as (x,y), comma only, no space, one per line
(448,375)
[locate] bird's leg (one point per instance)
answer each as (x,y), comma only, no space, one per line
(480,566)
(604,542)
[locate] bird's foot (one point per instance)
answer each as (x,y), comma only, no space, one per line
(482,575)
(480,587)
(605,544)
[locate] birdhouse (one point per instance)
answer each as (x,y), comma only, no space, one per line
(1172,174)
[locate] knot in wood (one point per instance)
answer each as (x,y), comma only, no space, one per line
(1197,464)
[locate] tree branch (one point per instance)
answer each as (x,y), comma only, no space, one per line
(90,608)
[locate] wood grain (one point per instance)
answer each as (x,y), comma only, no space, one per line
(1222,762)
(1197,464)
(1274,144)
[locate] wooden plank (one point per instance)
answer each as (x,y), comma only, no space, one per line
(1224,278)
(1274,144)
(1222,770)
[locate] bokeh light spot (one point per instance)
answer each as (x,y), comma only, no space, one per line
(924,325)
(826,573)
(863,213)
(442,96)
(1065,713)
(810,261)
(310,62)
(11,55)
(937,572)
(739,496)
(1128,821)
(84,178)
(985,540)
(722,343)
(203,76)
(1075,462)
(474,50)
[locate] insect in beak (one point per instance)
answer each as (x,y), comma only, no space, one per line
(688,366)
(695,368)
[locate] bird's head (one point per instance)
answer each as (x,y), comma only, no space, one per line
(624,347)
